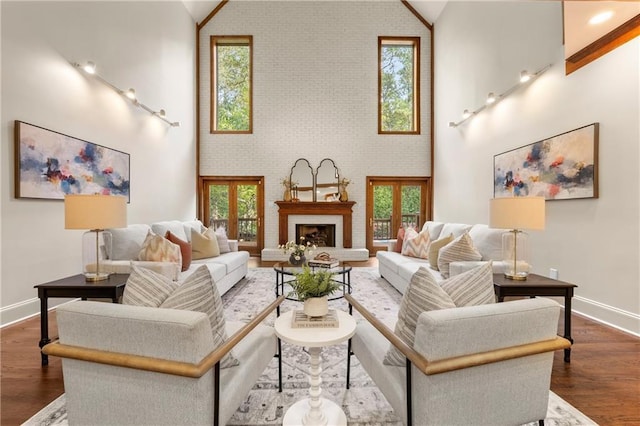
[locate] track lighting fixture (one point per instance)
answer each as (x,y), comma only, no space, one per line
(90,68)
(493,99)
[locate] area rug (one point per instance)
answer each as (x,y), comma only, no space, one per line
(363,403)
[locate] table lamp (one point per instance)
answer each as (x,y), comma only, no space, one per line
(96,213)
(516,214)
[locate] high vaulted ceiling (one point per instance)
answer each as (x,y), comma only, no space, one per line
(429,9)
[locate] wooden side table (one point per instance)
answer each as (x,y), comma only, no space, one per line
(75,286)
(538,285)
(315,411)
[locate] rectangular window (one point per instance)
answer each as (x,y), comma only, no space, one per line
(231,84)
(399,85)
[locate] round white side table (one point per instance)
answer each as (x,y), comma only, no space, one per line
(315,410)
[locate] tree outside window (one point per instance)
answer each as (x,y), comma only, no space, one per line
(231,97)
(399,85)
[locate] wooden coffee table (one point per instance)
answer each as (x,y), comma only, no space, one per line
(538,285)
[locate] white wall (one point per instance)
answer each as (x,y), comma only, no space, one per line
(594,243)
(146,45)
(315,96)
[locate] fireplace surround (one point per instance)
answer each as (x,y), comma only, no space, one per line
(312,208)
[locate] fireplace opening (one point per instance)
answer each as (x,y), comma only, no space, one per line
(322,235)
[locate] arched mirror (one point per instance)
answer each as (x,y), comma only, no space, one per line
(327,181)
(301,181)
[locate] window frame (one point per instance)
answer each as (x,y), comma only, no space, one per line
(415,43)
(226,40)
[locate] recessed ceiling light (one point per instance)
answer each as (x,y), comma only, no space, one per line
(601,17)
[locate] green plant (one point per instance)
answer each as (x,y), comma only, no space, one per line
(318,283)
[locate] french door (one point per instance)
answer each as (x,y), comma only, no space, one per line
(392,203)
(237,204)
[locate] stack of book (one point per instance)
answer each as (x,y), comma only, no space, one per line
(323,263)
(300,320)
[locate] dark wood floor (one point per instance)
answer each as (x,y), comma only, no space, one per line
(602,380)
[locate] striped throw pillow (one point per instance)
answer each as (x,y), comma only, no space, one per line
(416,244)
(459,249)
(434,249)
(471,288)
(200,294)
(423,294)
(147,288)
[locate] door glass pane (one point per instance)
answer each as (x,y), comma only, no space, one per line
(247,213)
(411,203)
(219,206)
(382,209)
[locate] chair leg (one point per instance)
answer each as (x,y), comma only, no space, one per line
(216,398)
(408,394)
(279,365)
(541,422)
(348,362)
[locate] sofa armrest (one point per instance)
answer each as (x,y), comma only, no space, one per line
(459,362)
(176,368)
(233,245)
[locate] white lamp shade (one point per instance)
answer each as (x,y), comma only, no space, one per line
(95,211)
(517,213)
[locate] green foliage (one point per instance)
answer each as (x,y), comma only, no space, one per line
(383,200)
(233,82)
(316,283)
(397,88)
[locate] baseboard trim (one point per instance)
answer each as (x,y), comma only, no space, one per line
(24,310)
(620,319)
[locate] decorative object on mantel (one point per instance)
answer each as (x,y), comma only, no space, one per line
(90,69)
(561,167)
(288,184)
(343,183)
(492,99)
(312,288)
(297,252)
(50,165)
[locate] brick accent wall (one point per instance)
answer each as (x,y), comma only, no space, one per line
(315,96)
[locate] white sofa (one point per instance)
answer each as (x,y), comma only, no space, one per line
(226,269)
(398,269)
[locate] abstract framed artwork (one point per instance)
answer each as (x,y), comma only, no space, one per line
(50,165)
(561,167)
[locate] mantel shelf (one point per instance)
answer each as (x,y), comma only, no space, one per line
(287,208)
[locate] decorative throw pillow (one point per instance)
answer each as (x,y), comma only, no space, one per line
(416,245)
(434,250)
(158,249)
(200,294)
(147,288)
(459,249)
(204,245)
(223,240)
(399,240)
(185,249)
(423,294)
(167,269)
(471,288)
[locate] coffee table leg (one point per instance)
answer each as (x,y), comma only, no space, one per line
(44,327)
(315,416)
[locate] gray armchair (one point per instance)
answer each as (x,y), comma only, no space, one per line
(481,365)
(131,365)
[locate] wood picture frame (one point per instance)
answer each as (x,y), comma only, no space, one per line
(561,167)
(49,165)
